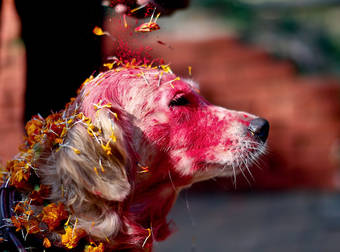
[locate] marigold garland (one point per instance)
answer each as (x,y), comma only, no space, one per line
(94,248)
(40,193)
(20,173)
(53,214)
(42,134)
(72,236)
(47,243)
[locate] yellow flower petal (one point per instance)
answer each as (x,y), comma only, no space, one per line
(98,31)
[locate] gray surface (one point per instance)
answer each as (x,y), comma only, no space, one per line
(256,222)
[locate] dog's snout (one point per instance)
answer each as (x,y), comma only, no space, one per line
(259,127)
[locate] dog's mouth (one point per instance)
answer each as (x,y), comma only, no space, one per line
(243,157)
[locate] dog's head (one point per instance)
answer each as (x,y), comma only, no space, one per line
(139,136)
(172,126)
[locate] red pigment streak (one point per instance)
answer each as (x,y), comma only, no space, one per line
(161,42)
(164,44)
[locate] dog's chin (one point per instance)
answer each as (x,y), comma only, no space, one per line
(213,170)
(242,162)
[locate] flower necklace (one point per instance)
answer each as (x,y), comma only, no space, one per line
(34,214)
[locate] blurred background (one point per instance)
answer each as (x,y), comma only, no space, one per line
(279,59)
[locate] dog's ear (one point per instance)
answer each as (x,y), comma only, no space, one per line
(94,158)
(90,173)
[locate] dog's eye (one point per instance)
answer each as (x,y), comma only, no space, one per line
(179,101)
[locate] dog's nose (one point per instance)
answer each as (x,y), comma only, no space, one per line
(259,127)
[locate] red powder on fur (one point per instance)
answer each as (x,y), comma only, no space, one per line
(139,55)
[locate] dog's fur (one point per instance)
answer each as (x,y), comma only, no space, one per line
(163,137)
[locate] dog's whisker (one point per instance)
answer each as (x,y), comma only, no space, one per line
(244,175)
(257,164)
(192,221)
(247,168)
(255,159)
(187,201)
(234,178)
(172,183)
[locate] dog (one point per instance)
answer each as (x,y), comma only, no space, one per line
(104,173)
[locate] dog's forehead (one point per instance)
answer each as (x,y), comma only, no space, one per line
(148,88)
(145,82)
(130,87)
(152,78)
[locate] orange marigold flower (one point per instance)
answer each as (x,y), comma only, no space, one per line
(17,222)
(47,243)
(32,226)
(58,140)
(98,31)
(29,212)
(20,174)
(64,131)
(53,214)
(37,196)
(72,236)
(94,248)
(55,128)
(33,129)
(19,208)
(53,118)
(69,103)
(150,26)
(147,27)
(23,147)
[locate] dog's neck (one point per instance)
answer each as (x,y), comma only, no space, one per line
(153,198)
